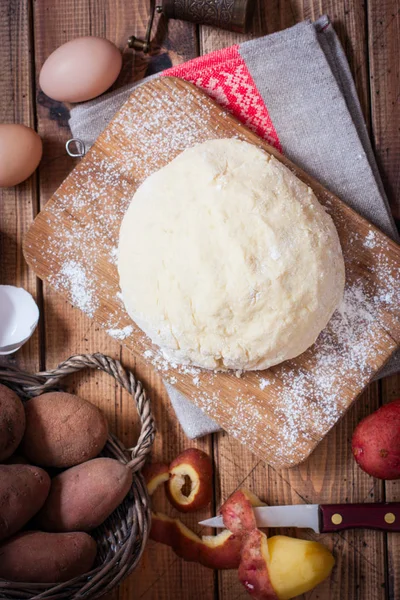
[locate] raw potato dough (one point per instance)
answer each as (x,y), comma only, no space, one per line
(227,260)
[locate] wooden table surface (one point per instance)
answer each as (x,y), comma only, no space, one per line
(367,562)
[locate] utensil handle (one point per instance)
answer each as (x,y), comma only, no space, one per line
(337,517)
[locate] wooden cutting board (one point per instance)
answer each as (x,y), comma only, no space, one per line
(280,414)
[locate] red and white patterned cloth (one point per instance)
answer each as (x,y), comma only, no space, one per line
(225,77)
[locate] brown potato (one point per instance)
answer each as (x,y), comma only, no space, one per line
(82,497)
(12,422)
(62,430)
(38,557)
(23,490)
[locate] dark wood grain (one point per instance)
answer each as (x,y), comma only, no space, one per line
(18,205)
(384,76)
(384,53)
(391,391)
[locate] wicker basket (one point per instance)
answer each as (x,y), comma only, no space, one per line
(122,537)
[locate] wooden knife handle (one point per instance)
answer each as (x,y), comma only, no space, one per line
(383,516)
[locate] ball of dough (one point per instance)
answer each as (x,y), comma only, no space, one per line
(227,260)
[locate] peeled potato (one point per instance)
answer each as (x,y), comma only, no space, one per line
(297,566)
(280,567)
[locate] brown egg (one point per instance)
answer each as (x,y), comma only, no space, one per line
(20,153)
(80,69)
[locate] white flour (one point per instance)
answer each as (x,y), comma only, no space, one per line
(76,281)
(122,333)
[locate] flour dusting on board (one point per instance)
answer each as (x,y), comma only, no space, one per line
(77,282)
(122,333)
(282,411)
(370,240)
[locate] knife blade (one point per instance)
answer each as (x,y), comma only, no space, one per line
(324,518)
(298,515)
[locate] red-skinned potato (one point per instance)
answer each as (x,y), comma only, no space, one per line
(237,512)
(186,544)
(277,568)
(253,568)
(172,532)
(280,567)
(196,465)
(154,475)
(215,552)
(23,491)
(40,557)
(376,442)
(221,551)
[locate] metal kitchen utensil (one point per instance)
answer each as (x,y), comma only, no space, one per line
(234,15)
(324,518)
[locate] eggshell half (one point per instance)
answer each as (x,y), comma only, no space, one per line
(20,153)
(19,316)
(80,69)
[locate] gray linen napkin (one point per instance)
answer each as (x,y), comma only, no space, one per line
(303,76)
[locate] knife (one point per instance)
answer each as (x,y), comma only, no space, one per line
(325,518)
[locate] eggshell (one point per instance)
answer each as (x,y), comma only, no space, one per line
(80,69)
(20,153)
(19,316)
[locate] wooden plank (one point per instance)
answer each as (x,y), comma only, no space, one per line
(77,219)
(330,473)
(18,205)
(384,51)
(68,331)
(390,392)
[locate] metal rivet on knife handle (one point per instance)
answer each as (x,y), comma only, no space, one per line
(390,518)
(336,519)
